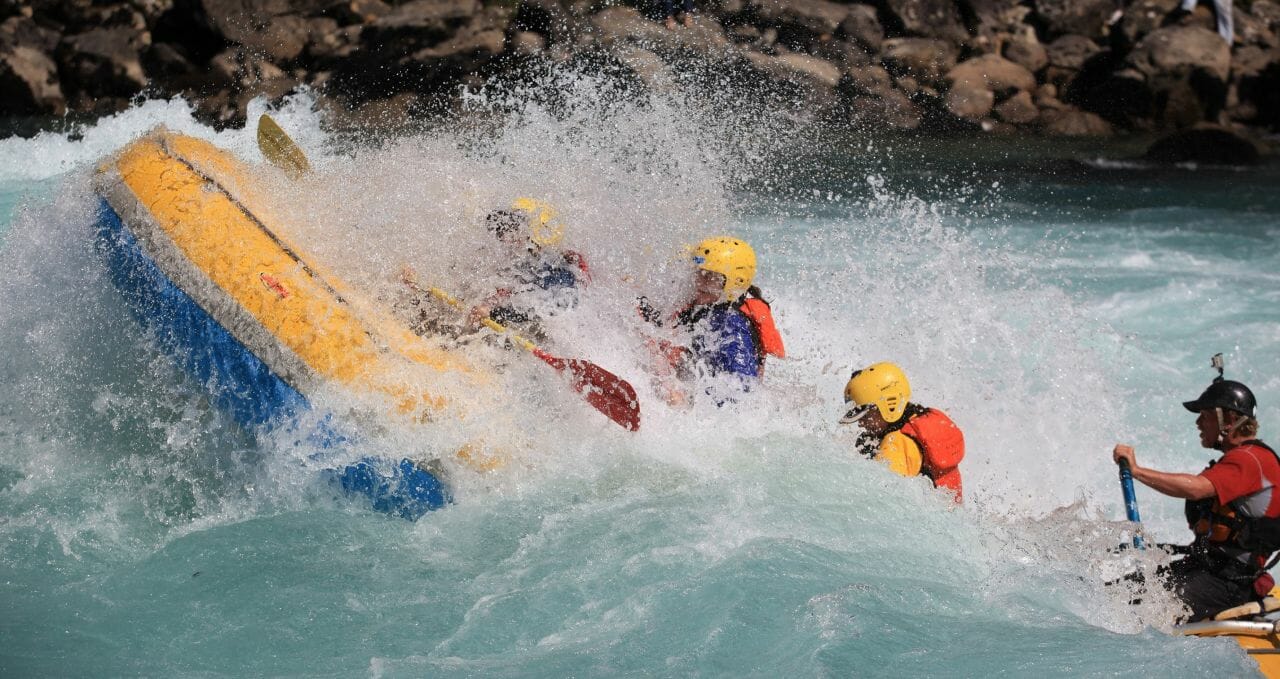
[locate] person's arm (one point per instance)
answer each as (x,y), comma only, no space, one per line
(1184,486)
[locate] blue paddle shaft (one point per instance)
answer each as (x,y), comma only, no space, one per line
(1130,500)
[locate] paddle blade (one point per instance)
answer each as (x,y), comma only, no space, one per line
(606,392)
(279,149)
(603,390)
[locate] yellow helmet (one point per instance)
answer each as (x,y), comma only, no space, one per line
(732,258)
(883,385)
(545,229)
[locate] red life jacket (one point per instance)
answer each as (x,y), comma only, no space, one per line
(761,316)
(941,447)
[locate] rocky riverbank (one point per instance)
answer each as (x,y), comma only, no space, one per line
(1056,67)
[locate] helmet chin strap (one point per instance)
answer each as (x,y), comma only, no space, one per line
(1222,434)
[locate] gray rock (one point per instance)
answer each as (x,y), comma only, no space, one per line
(1083,17)
(1019,109)
(1026,51)
(816,17)
(993,72)
(626,27)
(969,100)
(1205,144)
(928,18)
(797,68)
(1071,122)
(1071,51)
(926,59)
(104,62)
(1141,17)
(1179,51)
(29,80)
(863,28)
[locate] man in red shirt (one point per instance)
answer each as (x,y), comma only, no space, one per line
(1233,506)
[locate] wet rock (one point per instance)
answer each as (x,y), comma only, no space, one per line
(1205,144)
(993,72)
(928,18)
(29,81)
(1019,109)
(104,62)
(926,59)
(351,12)
(1186,70)
(796,67)
(625,26)
(800,23)
(863,28)
(969,100)
(1082,17)
(527,43)
(1071,122)
(872,99)
(1071,51)
(1026,51)
(1142,17)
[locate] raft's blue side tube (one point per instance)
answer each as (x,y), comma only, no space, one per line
(238,382)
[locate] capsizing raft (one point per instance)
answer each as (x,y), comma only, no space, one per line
(205,265)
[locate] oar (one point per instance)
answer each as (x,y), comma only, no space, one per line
(1130,501)
(602,389)
(279,149)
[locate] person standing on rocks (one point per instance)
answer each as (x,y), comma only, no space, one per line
(1222,11)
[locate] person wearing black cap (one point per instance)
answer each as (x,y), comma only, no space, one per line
(1233,506)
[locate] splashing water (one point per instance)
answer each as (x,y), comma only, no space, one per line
(1049,313)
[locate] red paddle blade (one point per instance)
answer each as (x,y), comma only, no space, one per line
(603,390)
(607,393)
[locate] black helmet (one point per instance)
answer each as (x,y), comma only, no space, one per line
(1225,394)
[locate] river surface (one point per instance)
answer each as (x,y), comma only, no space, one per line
(1053,298)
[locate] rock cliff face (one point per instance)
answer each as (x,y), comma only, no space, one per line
(1059,67)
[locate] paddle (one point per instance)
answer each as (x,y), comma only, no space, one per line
(1130,501)
(279,149)
(603,390)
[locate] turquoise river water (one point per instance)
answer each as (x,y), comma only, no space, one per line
(1053,299)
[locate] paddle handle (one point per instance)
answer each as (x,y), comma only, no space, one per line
(1130,500)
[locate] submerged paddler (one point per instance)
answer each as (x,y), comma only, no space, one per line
(722,337)
(535,278)
(1233,506)
(912,439)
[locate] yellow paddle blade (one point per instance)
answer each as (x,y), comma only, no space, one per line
(279,149)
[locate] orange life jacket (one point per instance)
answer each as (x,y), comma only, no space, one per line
(761,316)
(941,447)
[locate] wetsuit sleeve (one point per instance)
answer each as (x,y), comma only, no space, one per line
(1236,475)
(735,353)
(900,453)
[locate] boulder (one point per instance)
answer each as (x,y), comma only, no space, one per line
(994,73)
(1266,11)
(926,59)
(800,23)
(927,18)
(796,67)
(863,28)
(1250,30)
(1180,52)
(1019,109)
(1186,70)
(29,80)
(104,62)
(1141,17)
(1026,51)
(626,27)
(1082,17)
(1205,144)
(970,100)
(267,27)
(872,99)
(1071,51)
(1071,122)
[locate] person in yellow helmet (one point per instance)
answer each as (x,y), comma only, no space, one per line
(910,438)
(535,278)
(727,327)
